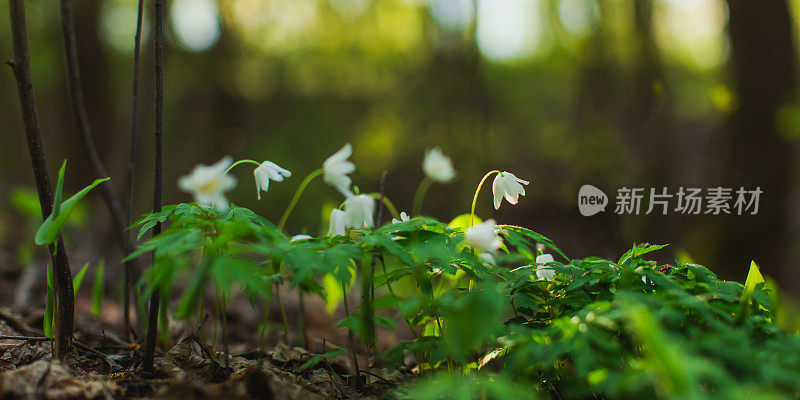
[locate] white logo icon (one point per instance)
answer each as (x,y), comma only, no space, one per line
(591,200)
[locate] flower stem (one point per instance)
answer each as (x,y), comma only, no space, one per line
(388,203)
(296,197)
(420,195)
(475,197)
(242,162)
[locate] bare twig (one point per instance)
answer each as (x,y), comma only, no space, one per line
(85,133)
(30,118)
(26,338)
(131,273)
(158,42)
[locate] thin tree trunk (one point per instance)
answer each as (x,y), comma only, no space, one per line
(63,275)
(765,77)
(84,130)
(158,41)
(131,272)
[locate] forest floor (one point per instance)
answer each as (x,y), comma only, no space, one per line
(191,365)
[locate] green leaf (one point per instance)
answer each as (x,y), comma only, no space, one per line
(59,195)
(78,279)
(754,277)
(313,361)
(97,289)
(51,227)
(49,306)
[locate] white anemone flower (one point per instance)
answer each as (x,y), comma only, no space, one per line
(337,167)
(403,218)
(208,184)
(359,210)
(338,223)
(544,273)
(484,236)
(509,186)
(266,171)
(299,238)
(438,166)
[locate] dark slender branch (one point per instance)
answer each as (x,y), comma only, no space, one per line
(131,274)
(30,118)
(158,42)
(26,338)
(85,133)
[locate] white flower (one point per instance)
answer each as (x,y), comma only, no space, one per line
(298,238)
(266,171)
(337,167)
(359,210)
(208,184)
(484,236)
(403,218)
(509,186)
(337,225)
(544,273)
(488,257)
(438,166)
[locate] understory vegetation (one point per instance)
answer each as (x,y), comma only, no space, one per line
(493,311)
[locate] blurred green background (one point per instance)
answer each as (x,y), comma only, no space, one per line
(613,93)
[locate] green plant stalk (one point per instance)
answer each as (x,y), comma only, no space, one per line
(242,162)
(441,334)
(419,196)
(277,269)
(357,378)
(475,197)
(391,291)
(310,177)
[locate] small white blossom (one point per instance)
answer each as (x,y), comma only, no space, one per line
(509,186)
(484,236)
(336,169)
(438,166)
(403,218)
(359,210)
(338,223)
(266,171)
(208,184)
(298,238)
(544,273)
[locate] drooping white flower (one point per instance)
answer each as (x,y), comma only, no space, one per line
(484,236)
(338,223)
(336,168)
(403,218)
(509,186)
(488,257)
(266,171)
(208,184)
(438,166)
(543,273)
(359,210)
(298,238)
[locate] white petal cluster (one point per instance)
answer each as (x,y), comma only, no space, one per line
(359,210)
(300,238)
(543,273)
(336,169)
(438,166)
(337,225)
(484,237)
(403,218)
(507,185)
(266,171)
(208,184)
